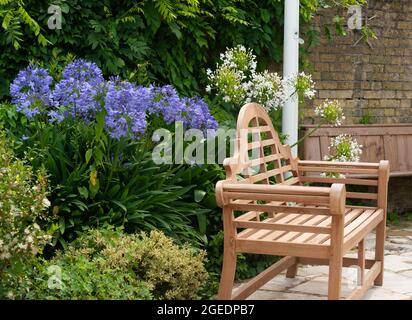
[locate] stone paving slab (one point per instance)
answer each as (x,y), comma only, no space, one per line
(311,281)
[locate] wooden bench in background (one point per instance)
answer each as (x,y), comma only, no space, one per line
(391,142)
(269,209)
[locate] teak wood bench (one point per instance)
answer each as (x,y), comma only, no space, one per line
(269,208)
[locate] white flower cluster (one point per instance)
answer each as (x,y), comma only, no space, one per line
(344,148)
(301,83)
(229,83)
(331,112)
(236,81)
(336,175)
(239,58)
(267,89)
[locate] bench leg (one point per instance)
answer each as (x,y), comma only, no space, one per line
(228,274)
(335,278)
(229,257)
(380,250)
(361,262)
(292,271)
(336,258)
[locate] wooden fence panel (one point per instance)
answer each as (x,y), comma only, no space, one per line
(380,142)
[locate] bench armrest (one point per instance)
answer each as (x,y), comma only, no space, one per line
(333,197)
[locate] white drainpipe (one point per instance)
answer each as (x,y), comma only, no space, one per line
(290,117)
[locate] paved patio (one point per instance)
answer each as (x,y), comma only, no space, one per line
(311,281)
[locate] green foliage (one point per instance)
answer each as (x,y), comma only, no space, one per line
(174,41)
(107,264)
(14,17)
(95,179)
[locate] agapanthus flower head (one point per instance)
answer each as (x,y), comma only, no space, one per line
(240,59)
(344,148)
(167,103)
(331,111)
(196,115)
(126,106)
(228,83)
(81,99)
(302,84)
(192,112)
(30,90)
(266,88)
(83,70)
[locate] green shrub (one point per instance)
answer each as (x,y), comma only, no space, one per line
(23,210)
(107,264)
(23,206)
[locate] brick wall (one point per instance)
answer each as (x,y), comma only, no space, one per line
(374,81)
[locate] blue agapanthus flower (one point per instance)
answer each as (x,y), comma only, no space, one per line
(126,106)
(82,70)
(79,99)
(193,112)
(196,114)
(30,90)
(167,103)
(80,92)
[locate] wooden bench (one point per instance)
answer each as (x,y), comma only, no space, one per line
(392,142)
(269,208)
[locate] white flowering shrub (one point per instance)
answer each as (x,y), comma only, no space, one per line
(23,204)
(302,84)
(343,148)
(331,112)
(236,81)
(267,89)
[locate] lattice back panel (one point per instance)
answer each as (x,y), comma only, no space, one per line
(263,158)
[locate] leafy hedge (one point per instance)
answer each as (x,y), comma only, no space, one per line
(108,264)
(167,41)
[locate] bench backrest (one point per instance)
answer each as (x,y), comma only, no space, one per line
(260,157)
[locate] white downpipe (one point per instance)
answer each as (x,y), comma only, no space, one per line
(290,116)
